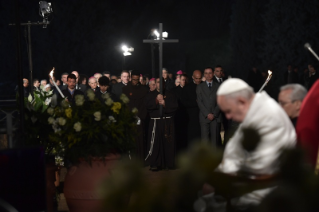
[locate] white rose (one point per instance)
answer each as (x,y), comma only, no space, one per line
(77,126)
(50,120)
(47,101)
(62,121)
(50,110)
(134,110)
(97,115)
(90,94)
(124,98)
(65,103)
(109,102)
(79,100)
(105,95)
(30,98)
(112,119)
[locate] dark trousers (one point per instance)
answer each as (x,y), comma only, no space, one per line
(211,132)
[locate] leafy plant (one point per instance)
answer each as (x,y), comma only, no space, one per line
(36,116)
(91,128)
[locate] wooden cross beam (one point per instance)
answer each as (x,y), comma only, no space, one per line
(160,42)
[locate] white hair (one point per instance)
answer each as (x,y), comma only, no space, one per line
(298,91)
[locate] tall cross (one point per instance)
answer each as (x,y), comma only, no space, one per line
(160,42)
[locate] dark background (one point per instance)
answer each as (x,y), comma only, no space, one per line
(87,35)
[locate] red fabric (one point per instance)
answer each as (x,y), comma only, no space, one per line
(308,124)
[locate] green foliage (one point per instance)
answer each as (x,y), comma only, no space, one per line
(37,129)
(295,188)
(90,128)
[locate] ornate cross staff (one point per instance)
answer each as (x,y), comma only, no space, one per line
(160,42)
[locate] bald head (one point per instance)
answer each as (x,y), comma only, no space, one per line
(197,77)
(76,75)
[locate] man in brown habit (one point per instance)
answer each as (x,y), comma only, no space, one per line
(161,137)
(136,94)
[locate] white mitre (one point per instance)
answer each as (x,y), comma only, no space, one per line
(232,85)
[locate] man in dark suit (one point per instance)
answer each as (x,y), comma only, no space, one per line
(36,85)
(70,92)
(79,86)
(189,100)
(137,94)
(169,83)
(103,90)
(26,90)
(209,115)
(64,79)
(117,88)
(313,76)
(290,76)
(218,78)
(93,84)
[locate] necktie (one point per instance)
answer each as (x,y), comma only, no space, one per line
(209,85)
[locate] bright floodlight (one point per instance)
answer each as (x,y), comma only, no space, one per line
(124,48)
(127,50)
(156,33)
(45,8)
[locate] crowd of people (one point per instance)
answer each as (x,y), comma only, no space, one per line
(199,107)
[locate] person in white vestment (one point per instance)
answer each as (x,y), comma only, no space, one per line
(257,112)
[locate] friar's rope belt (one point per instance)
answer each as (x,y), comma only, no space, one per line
(153,135)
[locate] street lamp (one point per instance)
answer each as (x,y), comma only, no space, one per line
(157,35)
(45,10)
(127,51)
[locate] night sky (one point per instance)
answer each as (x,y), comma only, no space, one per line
(86,35)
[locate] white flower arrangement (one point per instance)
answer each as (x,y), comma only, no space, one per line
(97,116)
(77,126)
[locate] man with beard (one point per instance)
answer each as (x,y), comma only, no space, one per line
(161,138)
(70,92)
(136,94)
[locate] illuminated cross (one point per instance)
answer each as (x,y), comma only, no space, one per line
(160,42)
